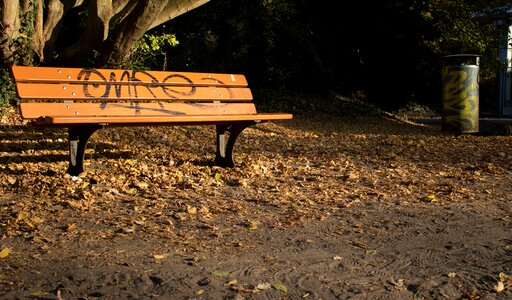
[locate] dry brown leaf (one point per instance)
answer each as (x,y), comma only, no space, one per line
(158,256)
(498,287)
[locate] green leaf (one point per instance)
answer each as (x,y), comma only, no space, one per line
(39,294)
(281,287)
(218,273)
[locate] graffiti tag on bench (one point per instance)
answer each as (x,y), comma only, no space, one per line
(131,83)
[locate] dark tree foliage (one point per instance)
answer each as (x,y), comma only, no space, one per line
(389,51)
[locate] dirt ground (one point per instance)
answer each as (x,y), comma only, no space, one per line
(319,207)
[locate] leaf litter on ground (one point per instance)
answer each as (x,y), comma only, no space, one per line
(160,181)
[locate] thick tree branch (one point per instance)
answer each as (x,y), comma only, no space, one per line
(119,5)
(55,10)
(122,8)
(96,31)
(104,12)
(174,9)
(131,29)
(38,37)
(136,17)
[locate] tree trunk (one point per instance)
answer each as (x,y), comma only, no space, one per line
(9,16)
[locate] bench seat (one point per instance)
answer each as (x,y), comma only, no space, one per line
(179,120)
(85,100)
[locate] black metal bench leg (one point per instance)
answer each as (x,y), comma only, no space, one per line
(226,144)
(78,138)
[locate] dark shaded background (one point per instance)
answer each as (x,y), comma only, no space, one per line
(387,52)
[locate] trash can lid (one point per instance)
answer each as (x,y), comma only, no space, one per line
(463,57)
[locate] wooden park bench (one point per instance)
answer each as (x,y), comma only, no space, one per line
(85,100)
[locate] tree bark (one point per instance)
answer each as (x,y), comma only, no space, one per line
(174,9)
(9,16)
(130,30)
(54,15)
(38,37)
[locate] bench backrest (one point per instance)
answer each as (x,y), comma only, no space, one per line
(50,91)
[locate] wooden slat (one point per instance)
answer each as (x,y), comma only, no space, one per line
(33,110)
(152,120)
(109,76)
(49,91)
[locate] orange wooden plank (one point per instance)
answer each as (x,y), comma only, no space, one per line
(157,120)
(33,110)
(107,92)
(110,76)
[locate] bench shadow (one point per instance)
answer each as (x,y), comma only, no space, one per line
(198,162)
(26,141)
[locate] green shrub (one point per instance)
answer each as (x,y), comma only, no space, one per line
(150,51)
(7,91)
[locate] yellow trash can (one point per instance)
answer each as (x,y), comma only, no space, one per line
(460,113)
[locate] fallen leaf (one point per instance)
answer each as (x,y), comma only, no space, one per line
(191,210)
(131,191)
(36,220)
(281,287)
(231,282)
(430,198)
(361,245)
(158,256)
(141,185)
(204,210)
(263,286)
(71,227)
(180,216)
(11,179)
(504,277)
(125,230)
(397,284)
(220,273)
(5,252)
(499,286)
(139,222)
(241,289)
(39,294)
(252,225)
